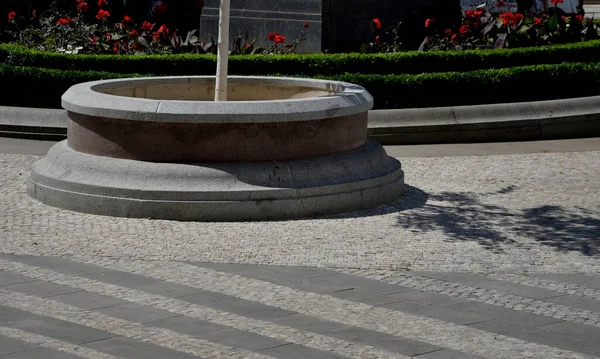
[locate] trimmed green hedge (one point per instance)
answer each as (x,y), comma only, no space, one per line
(43,88)
(37,87)
(311,65)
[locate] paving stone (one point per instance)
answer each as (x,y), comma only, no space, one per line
(577,302)
(10,345)
(448,354)
(447,314)
(168,289)
(387,342)
(189,326)
(42,353)
(9,315)
(59,264)
(87,300)
(457,277)
(57,329)
(293,351)
(121,278)
(40,288)
(431,298)
(358,295)
(136,313)
(309,323)
(364,284)
(493,284)
(265,271)
(128,348)
(7,278)
(579,279)
(574,329)
(593,283)
(537,335)
(566,278)
(241,339)
(313,280)
(503,314)
(236,305)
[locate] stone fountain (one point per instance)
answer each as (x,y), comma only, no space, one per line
(279,148)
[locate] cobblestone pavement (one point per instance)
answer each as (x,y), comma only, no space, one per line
(485,257)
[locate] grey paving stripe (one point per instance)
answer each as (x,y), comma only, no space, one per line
(55,344)
(176,306)
(51,327)
(436,332)
(482,295)
(555,285)
(178,343)
(41,353)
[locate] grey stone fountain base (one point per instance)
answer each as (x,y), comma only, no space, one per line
(353,180)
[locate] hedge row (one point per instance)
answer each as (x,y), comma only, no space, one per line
(311,65)
(38,87)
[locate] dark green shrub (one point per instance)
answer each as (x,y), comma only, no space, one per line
(37,87)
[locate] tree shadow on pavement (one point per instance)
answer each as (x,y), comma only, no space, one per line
(465,217)
(412,198)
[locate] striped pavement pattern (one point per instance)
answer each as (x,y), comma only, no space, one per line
(53,307)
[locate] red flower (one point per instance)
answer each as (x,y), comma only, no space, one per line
(538,21)
(508,18)
(11,15)
(500,3)
(94,39)
(34,14)
(377,23)
(473,13)
(377,38)
(163,29)
(579,17)
(82,6)
(448,32)
(428,22)
(127,19)
(63,21)
(102,14)
(108,36)
(271,36)
(116,47)
(279,39)
(464,29)
(134,34)
(454,38)
(556,2)
(146,26)
(306,25)
(135,47)
(248,46)
(102,3)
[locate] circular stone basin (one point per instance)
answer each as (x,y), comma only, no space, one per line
(176,120)
(162,148)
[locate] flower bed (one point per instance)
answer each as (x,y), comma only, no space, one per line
(38,87)
(482,28)
(97,27)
